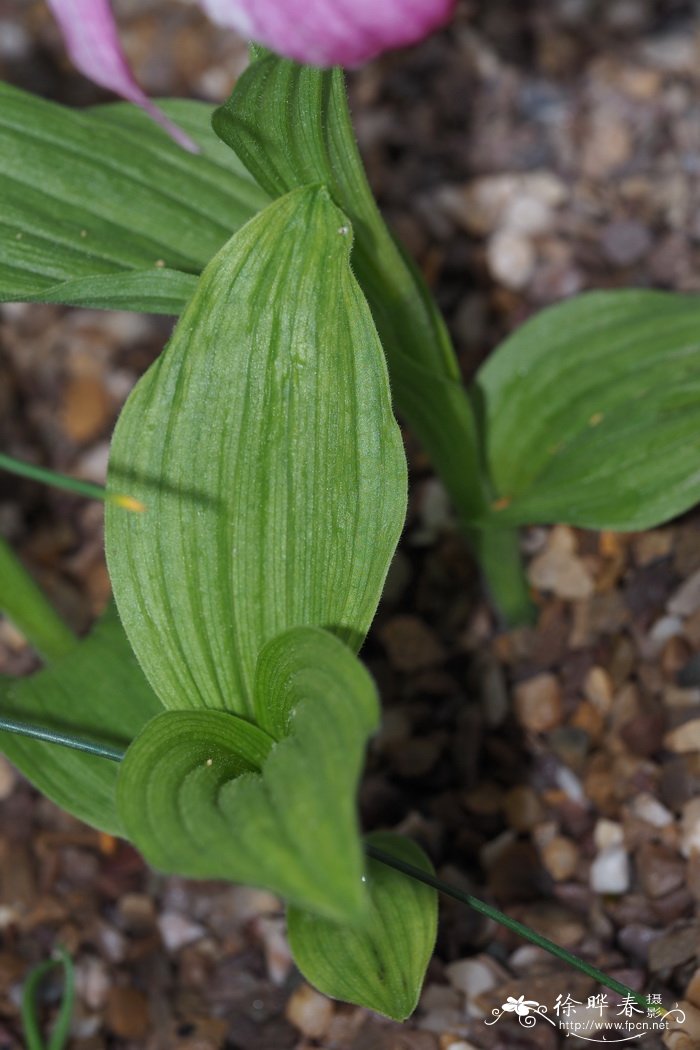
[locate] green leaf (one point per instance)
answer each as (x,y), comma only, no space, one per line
(25,604)
(100,207)
(381,963)
(263,446)
(144,291)
(193,801)
(98,692)
(591,413)
(290,126)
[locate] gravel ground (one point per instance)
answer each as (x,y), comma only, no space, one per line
(529,152)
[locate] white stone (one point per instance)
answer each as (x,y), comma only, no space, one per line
(309,1011)
(569,783)
(435,514)
(690,827)
(651,811)
(278,957)
(686,600)
(441,1009)
(511,259)
(610,871)
(607,833)
(559,569)
(684,738)
(471,977)
(663,630)
(177,931)
(92,982)
(529,215)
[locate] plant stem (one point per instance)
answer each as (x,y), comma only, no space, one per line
(449,435)
(498,553)
(61,481)
(23,602)
(504,920)
(54,736)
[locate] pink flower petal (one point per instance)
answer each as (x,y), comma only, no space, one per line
(332,32)
(90,34)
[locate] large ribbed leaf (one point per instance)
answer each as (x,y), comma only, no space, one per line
(290,126)
(97,692)
(99,207)
(209,794)
(381,963)
(592,412)
(263,446)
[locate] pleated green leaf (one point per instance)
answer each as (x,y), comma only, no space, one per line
(96,692)
(381,963)
(591,413)
(101,208)
(290,126)
(264,448)
(208,794)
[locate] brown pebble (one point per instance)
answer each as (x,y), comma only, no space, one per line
(686,599)
(538,703)
(127,1014)
(589,719)
(653,545)
(598,688)
(523,808)
(684,1035)
(675,656)
(661,870)
(607,146)
(559,569)
(137,913)
(560,857)
(86,408)
(411,644)
(570,744)
(691,629)
(635,939)
(8,778)
(625,242)
(643,732)
(693,875)
(309,1011)
(416,757)
(692,991)
(674,947)
(674,906)
(684,738)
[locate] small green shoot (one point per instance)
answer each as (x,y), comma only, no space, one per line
(30,1010)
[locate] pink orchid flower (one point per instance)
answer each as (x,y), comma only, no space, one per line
(316,32)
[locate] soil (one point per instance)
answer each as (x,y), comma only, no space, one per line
(528,152)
